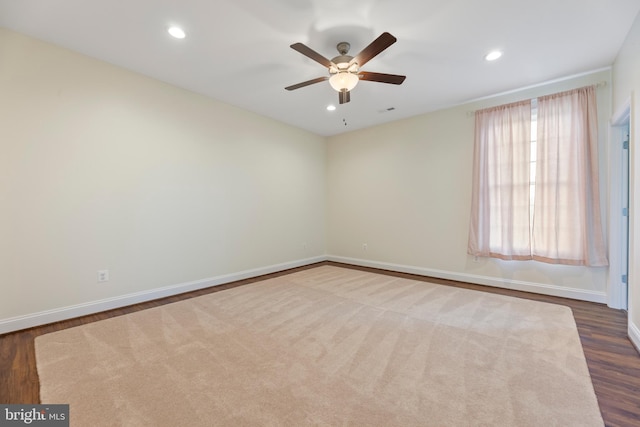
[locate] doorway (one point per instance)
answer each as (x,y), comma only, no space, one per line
(618,289)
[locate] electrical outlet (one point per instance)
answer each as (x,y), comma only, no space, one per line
(364,247)
(103,276)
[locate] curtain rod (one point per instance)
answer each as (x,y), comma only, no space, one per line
(601,83)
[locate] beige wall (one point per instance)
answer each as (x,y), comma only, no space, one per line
(101,168)
(404,190)
(626,84)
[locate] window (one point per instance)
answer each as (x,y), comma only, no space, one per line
(535,188)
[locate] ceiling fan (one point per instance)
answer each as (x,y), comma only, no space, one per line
(344,70)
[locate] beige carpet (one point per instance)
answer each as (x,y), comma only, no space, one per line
(327,346)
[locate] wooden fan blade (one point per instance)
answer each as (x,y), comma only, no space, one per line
(307,83)
(310,53)
(378,45)
(393,79)
(344,97)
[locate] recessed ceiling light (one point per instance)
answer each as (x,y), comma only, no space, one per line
(331,107)
(492,56)
(177,32)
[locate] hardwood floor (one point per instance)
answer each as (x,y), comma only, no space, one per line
(613,362)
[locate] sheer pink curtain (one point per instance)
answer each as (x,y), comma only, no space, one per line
(500,214)
(566,224)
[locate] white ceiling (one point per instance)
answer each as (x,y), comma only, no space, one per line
(237,51)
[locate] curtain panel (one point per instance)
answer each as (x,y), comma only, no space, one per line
(500,214)
(567,228)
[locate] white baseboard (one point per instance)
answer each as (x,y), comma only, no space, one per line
(55,315)
(538,288)
(634,335)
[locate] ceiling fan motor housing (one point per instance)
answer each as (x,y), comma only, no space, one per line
(342,61)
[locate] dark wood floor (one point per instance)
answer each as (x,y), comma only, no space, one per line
(613,361)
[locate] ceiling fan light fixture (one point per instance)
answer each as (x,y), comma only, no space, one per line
(343,81)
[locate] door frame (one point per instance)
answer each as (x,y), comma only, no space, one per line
(617,291)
